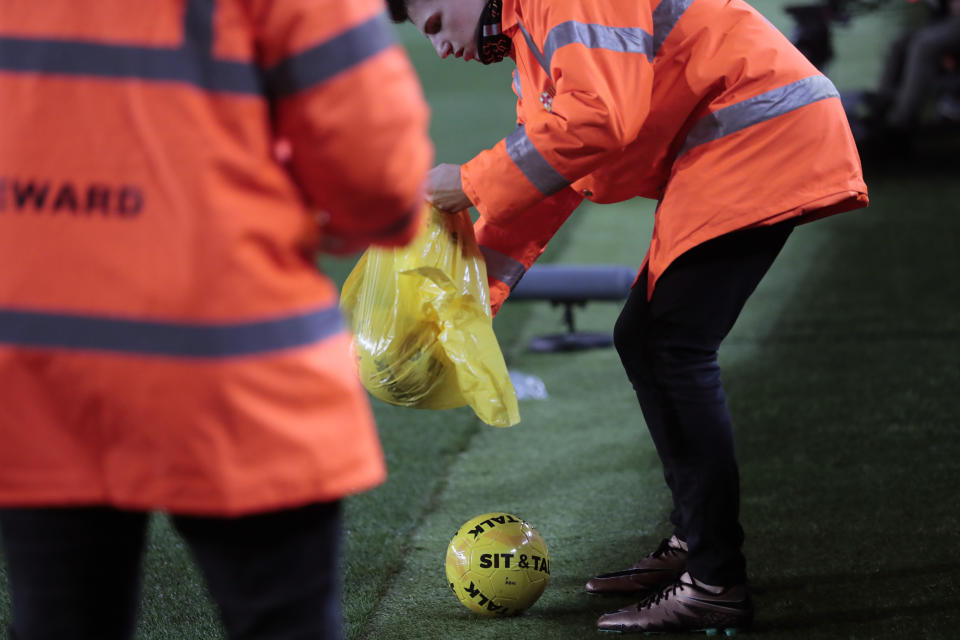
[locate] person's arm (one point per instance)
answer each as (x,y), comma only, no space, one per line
(348,102)
(444,185)
(599,58)
(511,246)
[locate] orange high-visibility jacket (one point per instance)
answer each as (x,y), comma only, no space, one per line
(700,104)
(166,340)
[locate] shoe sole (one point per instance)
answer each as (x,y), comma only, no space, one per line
(710,631)
(614,594)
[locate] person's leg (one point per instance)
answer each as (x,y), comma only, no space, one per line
(630,339)
(920,69)
(73,573)
(878,101)
(669,349)
(892,71)
(273,575)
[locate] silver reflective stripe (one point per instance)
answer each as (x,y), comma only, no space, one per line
(534,48)
(503,267)
(598,36)
(192,63)
(39,329)
(665,18)
(516,83)
(327,59)
(534,166)
(758,109)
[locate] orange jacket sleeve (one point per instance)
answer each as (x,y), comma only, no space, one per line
(511,246)
(598,57)
(348,102)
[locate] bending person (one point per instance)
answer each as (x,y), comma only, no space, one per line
(707,108)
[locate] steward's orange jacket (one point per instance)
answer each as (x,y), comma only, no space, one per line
(700,104)
(166,340)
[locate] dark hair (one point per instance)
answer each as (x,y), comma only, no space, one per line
(398,10)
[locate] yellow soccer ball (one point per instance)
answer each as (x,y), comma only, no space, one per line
(497,564)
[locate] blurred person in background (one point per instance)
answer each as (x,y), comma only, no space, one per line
(707,108)
(914,65)
(166,339)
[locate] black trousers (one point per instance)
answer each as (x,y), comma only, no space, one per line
(668,346)
(75,572)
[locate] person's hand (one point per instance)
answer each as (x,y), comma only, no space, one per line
(444,189)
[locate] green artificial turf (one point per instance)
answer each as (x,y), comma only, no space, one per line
(842,376)
(175,604)
(848,420)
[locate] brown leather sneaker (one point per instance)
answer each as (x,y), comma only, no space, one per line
(685,606)
(660,568)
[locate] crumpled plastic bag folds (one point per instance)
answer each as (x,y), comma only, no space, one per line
(422,327)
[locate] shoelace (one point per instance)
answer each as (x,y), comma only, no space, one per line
(665,549)
(664,594)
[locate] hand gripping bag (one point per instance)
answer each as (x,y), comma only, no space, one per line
(423,331)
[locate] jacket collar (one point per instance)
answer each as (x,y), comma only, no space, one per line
(510,16)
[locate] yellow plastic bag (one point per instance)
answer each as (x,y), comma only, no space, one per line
(422,326)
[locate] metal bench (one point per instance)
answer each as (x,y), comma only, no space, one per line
(570,286)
